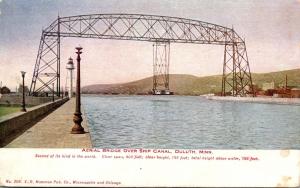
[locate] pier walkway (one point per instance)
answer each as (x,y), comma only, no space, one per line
(53,131)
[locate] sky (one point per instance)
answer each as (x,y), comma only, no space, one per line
(270,28)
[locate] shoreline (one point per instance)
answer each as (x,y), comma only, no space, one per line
(262,100)
(268,100)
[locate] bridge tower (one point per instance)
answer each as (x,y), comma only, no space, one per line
(161,62)
(236,79)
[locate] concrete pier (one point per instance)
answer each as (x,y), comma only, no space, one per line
(54,131)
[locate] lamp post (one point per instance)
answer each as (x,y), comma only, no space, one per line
(77,128)
(52,92)
(23,109)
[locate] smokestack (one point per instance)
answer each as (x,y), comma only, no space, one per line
(286,82)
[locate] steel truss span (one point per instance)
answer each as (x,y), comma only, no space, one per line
(236,80)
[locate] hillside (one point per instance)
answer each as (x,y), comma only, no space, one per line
(183,84)
(278,77)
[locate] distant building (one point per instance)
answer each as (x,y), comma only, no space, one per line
(295,93)
(255,88)
(20,90)
(267,86)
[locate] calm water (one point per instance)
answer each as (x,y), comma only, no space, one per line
(190,122)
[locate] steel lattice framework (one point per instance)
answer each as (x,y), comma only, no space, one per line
(161,61)
(158,29)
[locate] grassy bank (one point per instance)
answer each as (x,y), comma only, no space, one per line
(4,110)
